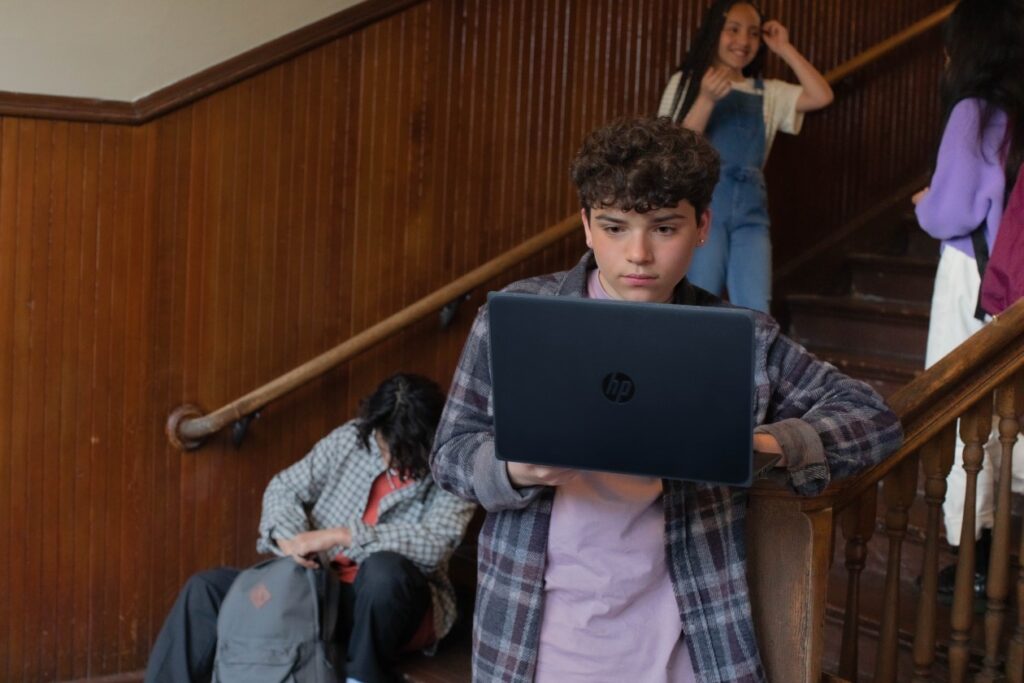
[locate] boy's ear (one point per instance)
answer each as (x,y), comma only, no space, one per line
(586,228)
(703,226)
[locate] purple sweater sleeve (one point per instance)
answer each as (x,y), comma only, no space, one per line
(968,183)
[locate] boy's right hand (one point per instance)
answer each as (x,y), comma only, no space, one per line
(716,83)
(522,474)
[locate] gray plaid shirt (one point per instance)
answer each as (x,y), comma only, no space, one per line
(828,425)
(420,521)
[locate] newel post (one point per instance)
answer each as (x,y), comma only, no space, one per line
(789,546)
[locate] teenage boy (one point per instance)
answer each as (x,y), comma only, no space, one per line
(588,576)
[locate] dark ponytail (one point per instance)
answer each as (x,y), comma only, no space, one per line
(984,40)
(404,410)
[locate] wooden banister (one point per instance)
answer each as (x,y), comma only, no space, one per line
(879,50)
(960,384)
(187,426)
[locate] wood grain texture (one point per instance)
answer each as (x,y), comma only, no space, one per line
(196,256)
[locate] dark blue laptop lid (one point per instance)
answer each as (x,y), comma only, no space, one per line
(634,388)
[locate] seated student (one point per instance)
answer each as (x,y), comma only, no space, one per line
(588,576)
(373,507)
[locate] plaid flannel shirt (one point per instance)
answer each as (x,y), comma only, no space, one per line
(828,425)
(332,483)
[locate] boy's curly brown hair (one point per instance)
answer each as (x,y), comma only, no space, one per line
(642,164)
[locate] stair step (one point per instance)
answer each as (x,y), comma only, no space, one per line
(917,243)
(885,373)
(894,329)
(893,277)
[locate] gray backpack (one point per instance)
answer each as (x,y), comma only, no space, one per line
(276,625)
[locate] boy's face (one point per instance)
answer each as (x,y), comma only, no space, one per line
(643,256)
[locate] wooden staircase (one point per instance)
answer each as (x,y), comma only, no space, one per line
(877,328)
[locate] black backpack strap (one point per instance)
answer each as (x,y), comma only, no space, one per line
(329,592)
(981,257)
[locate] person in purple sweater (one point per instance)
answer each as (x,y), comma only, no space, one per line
(979,156)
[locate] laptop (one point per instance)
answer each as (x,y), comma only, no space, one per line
(625,387)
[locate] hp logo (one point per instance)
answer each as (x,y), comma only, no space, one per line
(618,387)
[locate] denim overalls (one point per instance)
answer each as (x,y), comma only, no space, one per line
(738,250)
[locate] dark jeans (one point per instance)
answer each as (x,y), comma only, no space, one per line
(378,614)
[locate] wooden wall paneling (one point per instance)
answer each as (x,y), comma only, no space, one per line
(199,521)
(166,359)
(344,199)
(8,258)
(24,342)
(117,173)
(106,491)
(84,197)
(231,273)
(48,213)
(69,138)
(192,332)
(133,198)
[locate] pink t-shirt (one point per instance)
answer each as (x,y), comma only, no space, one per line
(609,610)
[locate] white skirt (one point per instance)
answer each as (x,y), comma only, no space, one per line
(952,322)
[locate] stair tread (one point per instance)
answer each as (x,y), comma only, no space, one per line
(897,365)
(890,261)
(867,305)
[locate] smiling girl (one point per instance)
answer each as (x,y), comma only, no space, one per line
(740,113)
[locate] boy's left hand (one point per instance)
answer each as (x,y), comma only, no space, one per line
(775,35)
(766,443)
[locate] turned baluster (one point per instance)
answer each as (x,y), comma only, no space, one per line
(975,426)
(998,587)
(936,461)
(1015,654)
(898,490)
(858,525)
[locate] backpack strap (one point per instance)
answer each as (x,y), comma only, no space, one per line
(981,257)
(331,599)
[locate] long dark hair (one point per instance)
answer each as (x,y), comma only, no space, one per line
(404,410)
(702,55)
(984,40)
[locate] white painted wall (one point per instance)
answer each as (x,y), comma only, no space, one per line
(126,49)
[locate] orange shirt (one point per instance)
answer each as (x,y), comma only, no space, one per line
(347,569)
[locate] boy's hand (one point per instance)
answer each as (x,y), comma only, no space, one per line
(521,474)
(304,547)
(766,443)
(775,35)
(919,195)
(716,84)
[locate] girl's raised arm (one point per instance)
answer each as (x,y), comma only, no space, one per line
(817,92)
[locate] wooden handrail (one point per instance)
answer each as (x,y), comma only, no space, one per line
(937,397)
(879,50)
(187,426)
